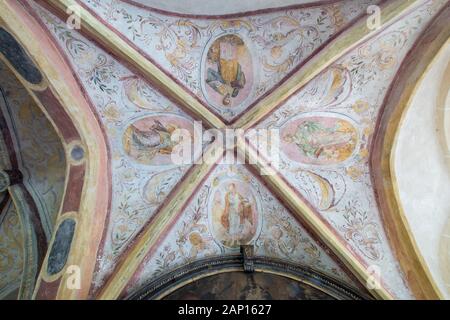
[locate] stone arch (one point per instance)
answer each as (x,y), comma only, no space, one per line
(87,187)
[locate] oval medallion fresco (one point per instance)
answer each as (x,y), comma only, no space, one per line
(233,213)
(227,72)
(149,140)
(319,139)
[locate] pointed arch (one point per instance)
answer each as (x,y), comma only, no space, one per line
(87,189)
(395,104)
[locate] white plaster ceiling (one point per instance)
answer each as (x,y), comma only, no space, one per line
(219,7)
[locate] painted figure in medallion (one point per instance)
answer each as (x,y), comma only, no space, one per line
(228,77)
(156,139)
(151,140)
(237,214)
(237,217)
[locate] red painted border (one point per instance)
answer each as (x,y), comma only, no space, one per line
(58,114)
(72,197)
(48,290)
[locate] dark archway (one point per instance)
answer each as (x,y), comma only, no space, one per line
(224,278)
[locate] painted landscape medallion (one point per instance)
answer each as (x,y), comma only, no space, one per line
(319,139)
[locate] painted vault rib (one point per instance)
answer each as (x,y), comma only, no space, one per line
(326,130)
(202,231)
(270,45)
(127,107)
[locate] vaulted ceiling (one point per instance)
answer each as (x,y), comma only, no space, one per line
(86,85)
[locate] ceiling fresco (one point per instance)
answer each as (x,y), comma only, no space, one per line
(267,46)
(206,228)
(316,206)
(128,106)
(326,129)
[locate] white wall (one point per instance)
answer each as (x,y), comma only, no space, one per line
(421,169)
(218,7)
